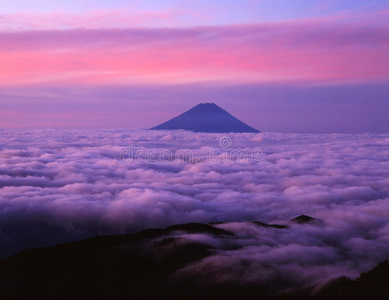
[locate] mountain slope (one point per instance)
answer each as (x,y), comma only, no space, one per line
(147,264)
(206,117)
(131,265)
(180,261)
(371,285)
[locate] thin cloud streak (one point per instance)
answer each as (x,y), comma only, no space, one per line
(267,107)
(94,19)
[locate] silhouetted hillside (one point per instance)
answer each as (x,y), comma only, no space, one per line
(150,264)
(371,285)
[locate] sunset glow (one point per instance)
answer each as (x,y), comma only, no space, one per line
(202,149)
(167,44)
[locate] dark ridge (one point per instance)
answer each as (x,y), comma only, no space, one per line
(371,285)
(217,223)
(147,264)
(261,224)
(199,228)
(131,265)
(206,117)
(303,219)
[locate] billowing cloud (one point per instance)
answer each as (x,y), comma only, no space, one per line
(58,186)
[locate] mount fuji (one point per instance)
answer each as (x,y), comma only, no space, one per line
(206,117)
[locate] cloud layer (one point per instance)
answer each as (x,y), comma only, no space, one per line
(58,186)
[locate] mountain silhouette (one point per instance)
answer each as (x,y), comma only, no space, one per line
(137,265)
(149,264)
(303,219)
(371,285)
(206,117)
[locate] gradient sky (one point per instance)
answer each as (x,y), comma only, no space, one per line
(278,65)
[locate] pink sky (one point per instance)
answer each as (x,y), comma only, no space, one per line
(80,52)
(335,50)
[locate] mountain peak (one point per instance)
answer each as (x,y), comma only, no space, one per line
(207,104)
(303,219)
(206,117)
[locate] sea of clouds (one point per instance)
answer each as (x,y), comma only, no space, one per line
(59,186)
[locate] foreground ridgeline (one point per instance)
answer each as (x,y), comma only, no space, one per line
(160,263)
(206,117)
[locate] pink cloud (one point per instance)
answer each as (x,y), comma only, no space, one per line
(289,51)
